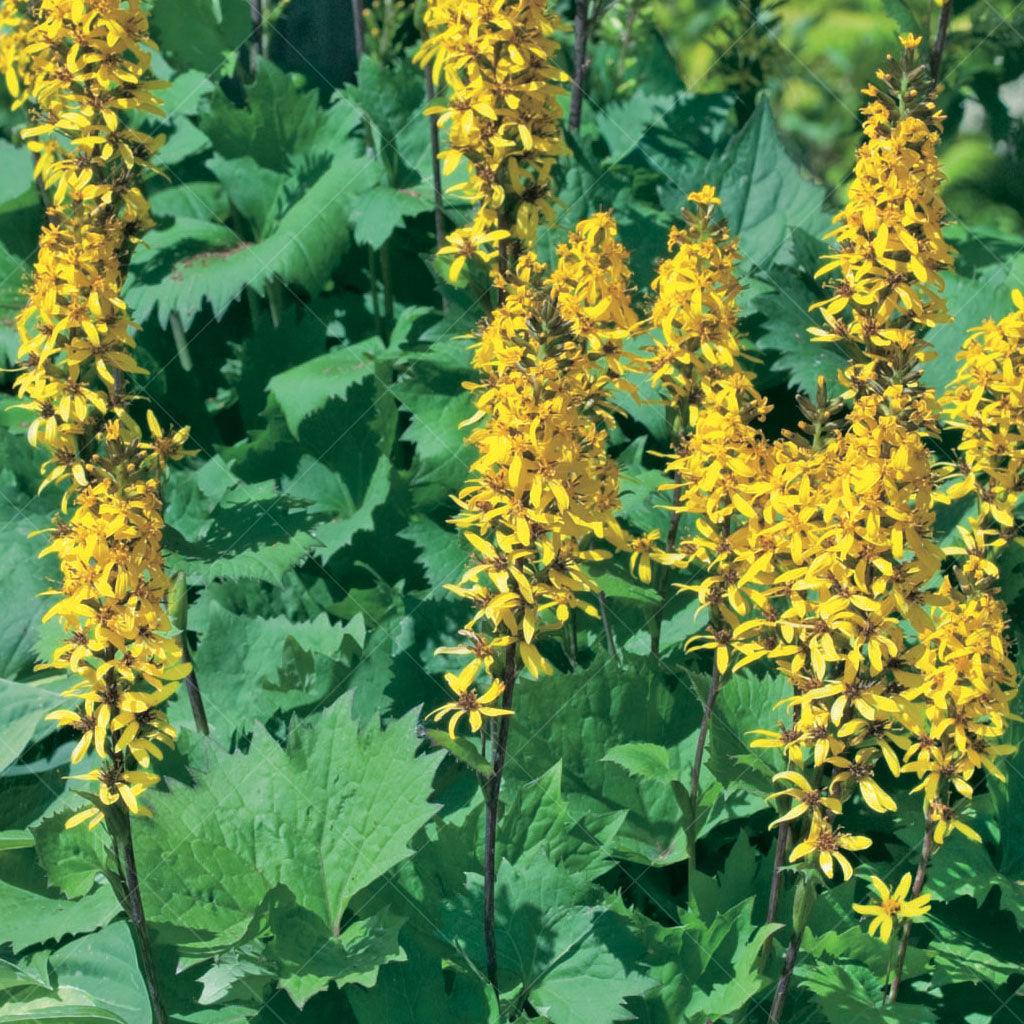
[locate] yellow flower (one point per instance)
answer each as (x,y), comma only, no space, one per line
(705,196)
(827,844)
(806,798)
(893,906)
(475,708)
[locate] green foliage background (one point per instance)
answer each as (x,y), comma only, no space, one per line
(317,859)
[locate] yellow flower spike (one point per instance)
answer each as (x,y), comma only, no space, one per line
(85,66)
(889,232)
(542,496)
(502,115)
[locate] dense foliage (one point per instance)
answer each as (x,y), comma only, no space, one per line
(514,544)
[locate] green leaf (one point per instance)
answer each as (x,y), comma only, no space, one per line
(22,708)
(24,573)
(251,189)
(644,760)
(419,991)
(308,387)
(327,815)
(779,324)
(849,992)
(382,211)
(278,122)
(590,983)
(307,957)
(462,748)
(253,533)
(388,94)
(103,967)
(957,963)
(16,162)
(971,301)
(747,701)
(30,919)
(431,391)
(442,553)
(708,967)
(199,34)
(575,717)
(15,839)
(71,858)
(250,668)
(765,192)
(195,262)
(576,963)
(65,1013)
(13,273)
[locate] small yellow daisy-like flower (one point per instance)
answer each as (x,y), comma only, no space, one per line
(827,844)
(705,195)
(469,704)
(893,906)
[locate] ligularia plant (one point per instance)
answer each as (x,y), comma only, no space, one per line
(82,70)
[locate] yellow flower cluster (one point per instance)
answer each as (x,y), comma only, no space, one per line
(82,72)
(543,486)
(890,245)
(814,559)
(711,400)
(986,402)
(819,556)
(696,360)
(502,116)
(15,24)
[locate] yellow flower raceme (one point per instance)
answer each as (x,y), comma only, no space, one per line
(543,488)
(82,71)
(986,403)
(696,313)
(502,115)
(890,250)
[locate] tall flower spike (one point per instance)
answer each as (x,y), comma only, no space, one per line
(543,487)
(887,288)
(503,119)
(986,403)
(696,360)
(710,400)
(82,69)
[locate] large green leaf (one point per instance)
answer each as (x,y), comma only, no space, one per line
(278,122)
(327,815)
(971,301)
(200,34)
(577,717)
(308,387)
(251,668)
(22,709)
(765,193)
(195,262)
(103,968)
(25,575)
(418,992)
(254,532)
(30,918)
